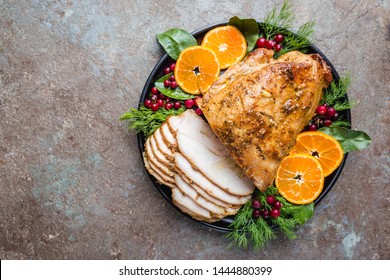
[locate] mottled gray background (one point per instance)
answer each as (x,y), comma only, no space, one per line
(72,182)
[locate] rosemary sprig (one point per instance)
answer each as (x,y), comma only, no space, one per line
(147,121)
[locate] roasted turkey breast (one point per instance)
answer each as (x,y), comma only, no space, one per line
(258,106)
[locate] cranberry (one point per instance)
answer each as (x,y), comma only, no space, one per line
(172,67)
(173,85)
(256,213)
(198,111)
(172,78)
(321,110)
(274,213)
(270,199)
(176,105)
(148,103)
(312,127)
(256,204)
(154,98)
(277,204)
(260,43)
(154,107)
(167,83)
(167,99)
(330,112)
(160,103)
(168,105)
(279,38)
(270,44)
(167,70)
(160,96)
(155,90)
(189,103)
(278,47)
(335,116)
(265,213)
(327,122)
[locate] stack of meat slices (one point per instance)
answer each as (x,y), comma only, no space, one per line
(185,154)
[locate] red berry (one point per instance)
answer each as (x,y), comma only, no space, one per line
(148,103)
(277,204)
(167,99)
(335,116)
(331,112)
(155,90)
(321,110)
(168,105)
(173,85)
(278,47)
(256,213)
(154,107)
(270,199)
(172,67)
(167,70)
(279,38)
(256,204)
(265,213)
(270,44)
(260,43)
(154,98)
(160,103)
(160,96)
(172,78)
(176,105)
(189,103)
(167,83)
(198,111)
(312,127)
(327,122)
(274,213)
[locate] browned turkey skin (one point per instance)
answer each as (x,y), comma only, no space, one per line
(258,106)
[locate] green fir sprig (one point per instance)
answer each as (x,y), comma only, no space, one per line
(335,94)
(257,232)
(146,121)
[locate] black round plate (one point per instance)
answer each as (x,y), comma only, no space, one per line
(157,72)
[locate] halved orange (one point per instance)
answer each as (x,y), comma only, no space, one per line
(300,178)
(196,69)
(228,43)
(322,146)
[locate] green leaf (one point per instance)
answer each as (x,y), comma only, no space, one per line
(175,40)
(350,140)
(249,28)
(303,213)
(176,93)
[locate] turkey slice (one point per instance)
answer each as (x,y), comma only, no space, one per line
(184,166)
(223,171)
(215,210)
(192,125)
(157,162)
(160,156)
(168,137)
(156,175)
(190,207)
(162,146)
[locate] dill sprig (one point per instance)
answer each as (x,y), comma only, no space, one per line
(335,94)
(278,22)
(145,120)
(257,232)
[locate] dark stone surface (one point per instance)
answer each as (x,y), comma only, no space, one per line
(71,179)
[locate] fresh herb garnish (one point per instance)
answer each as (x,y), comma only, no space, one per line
(175,40)
(147,121)
(335,94)
(350,140)
(258,232)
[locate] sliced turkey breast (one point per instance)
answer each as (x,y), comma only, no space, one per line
(156,175)
(223,171)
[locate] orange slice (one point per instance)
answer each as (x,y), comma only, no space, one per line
(196,69)
(228,43)
(322,146)
(300,178)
